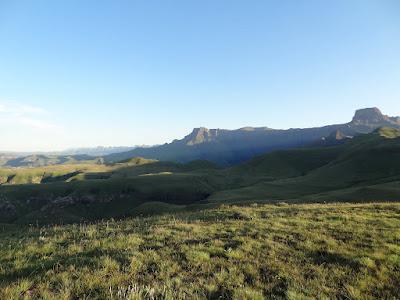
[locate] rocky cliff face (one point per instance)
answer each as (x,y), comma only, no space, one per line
(201,135)
(369,116)
(364,121)
(373,118)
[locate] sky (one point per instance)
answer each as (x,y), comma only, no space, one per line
(87,73)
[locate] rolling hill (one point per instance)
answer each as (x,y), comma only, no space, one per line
(364,168)
(367,162)
(40,160)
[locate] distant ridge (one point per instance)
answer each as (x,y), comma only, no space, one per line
(39,160)
(95,151)
(227,147)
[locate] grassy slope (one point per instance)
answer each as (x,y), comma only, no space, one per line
(365,169)
(342,251)
(61,172)
(110,198)
(40,174)
(126,188)
(47,160)
(91,170)
(345,174)
(289,163)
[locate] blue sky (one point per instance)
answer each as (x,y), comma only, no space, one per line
(88,73)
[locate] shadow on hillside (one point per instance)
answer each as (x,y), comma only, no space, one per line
(85,259)
(321,257)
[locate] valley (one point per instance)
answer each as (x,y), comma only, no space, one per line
(362,169)
(318,219)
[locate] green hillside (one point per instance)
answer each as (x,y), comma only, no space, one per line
(288,163)
(47,160)
(75,192)
(314,251)
(366,160)
(365,168)
(10,176)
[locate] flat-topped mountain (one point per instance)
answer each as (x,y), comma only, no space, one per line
(228,147)
(365,119)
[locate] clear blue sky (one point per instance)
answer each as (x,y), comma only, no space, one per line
(87,73)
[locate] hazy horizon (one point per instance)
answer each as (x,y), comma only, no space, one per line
(153,145)
(85,74)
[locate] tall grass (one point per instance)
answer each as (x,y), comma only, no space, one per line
(308,251)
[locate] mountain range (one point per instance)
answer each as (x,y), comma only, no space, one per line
(363,168)
(228,147)
(221,146)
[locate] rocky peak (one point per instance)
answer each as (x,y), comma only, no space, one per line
(369,116)
(201,135)
(368,119)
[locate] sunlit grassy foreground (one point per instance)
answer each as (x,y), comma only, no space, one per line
(283,251)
